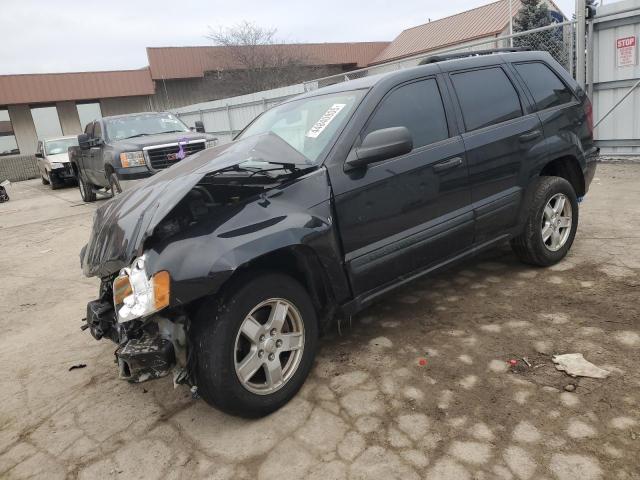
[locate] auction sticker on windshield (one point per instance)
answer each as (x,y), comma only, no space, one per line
(325,120)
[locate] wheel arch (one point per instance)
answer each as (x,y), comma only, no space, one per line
(566,167)
(303,264)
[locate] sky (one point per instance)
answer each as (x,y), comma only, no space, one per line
(43,36)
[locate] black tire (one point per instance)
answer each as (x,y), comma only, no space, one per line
(529,246)
(87,191)
(213,338)
(44,180)
(114,185)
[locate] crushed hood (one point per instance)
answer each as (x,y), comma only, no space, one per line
(122,224)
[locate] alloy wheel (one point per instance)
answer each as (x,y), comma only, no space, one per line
(269,346)
(556,222)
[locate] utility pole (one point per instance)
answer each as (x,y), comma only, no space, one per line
(581,21)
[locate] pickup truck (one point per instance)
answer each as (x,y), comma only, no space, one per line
(226,268)
(115,151)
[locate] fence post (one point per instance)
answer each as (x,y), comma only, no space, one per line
(580,41)
(589,79)
(229,121)
(572,33)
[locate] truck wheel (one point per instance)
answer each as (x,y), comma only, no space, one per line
(551,223)
(87,192)
(114,185)
(255,346)
(45,181)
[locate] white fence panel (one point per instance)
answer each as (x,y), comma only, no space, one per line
(225,118)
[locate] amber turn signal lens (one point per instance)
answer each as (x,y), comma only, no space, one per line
(121,289)
(161,287)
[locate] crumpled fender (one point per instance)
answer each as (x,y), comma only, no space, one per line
(297,215)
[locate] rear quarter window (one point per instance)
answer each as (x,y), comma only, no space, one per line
(486,97)
(545,86)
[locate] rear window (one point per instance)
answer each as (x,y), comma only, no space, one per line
(486,97)
(545,86)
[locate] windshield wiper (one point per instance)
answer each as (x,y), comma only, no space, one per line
(138,135)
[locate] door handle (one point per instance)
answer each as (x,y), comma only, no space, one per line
(447,164)
(532,135)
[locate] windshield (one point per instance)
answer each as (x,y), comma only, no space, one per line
(141,125)
(53,147)
(308,124)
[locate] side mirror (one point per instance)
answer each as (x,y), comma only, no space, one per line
(199,126)
(380,145)
(39,155)
(84,141)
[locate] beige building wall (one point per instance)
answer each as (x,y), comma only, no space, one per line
(69,120)
(23,128)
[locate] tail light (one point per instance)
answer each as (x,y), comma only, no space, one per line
(588,110)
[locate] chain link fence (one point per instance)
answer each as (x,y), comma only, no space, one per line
(557,39)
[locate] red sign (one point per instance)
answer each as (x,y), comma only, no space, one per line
(626,50)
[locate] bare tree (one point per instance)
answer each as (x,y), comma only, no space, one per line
(257,57)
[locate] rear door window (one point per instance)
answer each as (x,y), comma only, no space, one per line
(416,106)
(486,97)
(545,86)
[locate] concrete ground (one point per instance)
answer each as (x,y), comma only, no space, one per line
(370,408)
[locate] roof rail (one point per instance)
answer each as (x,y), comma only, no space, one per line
(476,53)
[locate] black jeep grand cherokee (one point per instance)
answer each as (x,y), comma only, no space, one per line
(226,267)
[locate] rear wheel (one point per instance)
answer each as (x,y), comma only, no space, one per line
(551,225)
(255,348)
(87,192)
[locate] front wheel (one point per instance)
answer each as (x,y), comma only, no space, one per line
(87,192)
(114,185)
(255,347)
(551,224)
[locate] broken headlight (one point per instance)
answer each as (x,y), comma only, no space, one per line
(136,294)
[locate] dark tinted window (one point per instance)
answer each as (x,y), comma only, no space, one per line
(545,86)
(417,106)
(89,129)
(486,97)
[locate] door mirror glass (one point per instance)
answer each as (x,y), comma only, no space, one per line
(84,141)
(381,145)
(199,126)
(39,155)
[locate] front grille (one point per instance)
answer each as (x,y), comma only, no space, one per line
(159,157)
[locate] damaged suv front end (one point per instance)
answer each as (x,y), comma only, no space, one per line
(172,253)
(161,247)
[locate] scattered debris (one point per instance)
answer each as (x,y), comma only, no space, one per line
(570,388)
(422,362)
(45,251)
(576,366)
(513,362)
(78,365)
(524,359)
(4,196)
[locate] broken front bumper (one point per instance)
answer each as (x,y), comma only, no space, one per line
(147,349)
